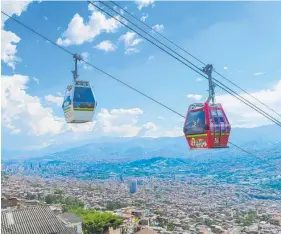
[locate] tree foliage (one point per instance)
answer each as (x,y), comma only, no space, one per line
(59,191)
(97,222)
(170,226)
(247,219)
(59,199)
(114,205)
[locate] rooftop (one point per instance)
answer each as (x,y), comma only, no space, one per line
(32,220)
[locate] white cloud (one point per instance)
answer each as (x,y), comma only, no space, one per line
(54,99)
(86,57)
(199,79)
(151,57)
(130,51)
(239,112)
(130,39)
(225,68)
(79,32)
(259,73)
(196,97)
(13,7)
(144,3)
(9,48)
(160,117)
(158,27)
(35,80)
(144,17)
(9,40)
(21,111)
(106,46)
(119,122)
(24,113)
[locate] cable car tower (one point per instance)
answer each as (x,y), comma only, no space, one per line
(206,125)
(79,102)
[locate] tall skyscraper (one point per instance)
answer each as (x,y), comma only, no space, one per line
(133,186)
(121,178)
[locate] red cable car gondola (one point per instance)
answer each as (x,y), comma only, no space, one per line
(206,125)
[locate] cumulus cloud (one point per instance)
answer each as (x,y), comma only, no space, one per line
(106,46)
(79,31)
(9,48)
(23,111)
(144,3)
(239,112)
(9,40)
(119,122)
(196,97)
(199,79)
(225,68)
(54,99)
(130,39)
(13,8)
(158,27)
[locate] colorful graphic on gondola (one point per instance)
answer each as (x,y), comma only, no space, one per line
(83,99)
(198,143)
(67,100)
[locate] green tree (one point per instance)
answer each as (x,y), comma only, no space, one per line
(114,205)
(59,191)
(159,212)
(170,226)
(97,222)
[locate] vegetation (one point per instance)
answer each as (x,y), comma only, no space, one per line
(4,175)
(159,212)
(97,222)
(114,205)
(247,219)
(59,199)
(59,191)
(170,226)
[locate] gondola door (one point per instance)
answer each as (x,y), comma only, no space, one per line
(215,128)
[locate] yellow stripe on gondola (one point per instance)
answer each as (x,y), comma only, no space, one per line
(196,135)
(203,135)
(220,134)
(67,110)
(84,109)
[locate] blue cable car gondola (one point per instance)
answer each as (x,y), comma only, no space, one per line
(79,103)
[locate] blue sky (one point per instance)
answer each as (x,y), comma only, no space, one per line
(241,40)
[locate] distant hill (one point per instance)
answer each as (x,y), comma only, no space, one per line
(266,138)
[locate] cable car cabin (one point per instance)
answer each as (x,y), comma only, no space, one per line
(206,126)
(79,103)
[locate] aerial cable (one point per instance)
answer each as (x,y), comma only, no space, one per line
(198,60)
(127,85)
(228,90)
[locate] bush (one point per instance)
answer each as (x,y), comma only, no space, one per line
(97,222)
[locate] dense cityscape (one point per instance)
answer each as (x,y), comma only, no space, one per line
(164,202)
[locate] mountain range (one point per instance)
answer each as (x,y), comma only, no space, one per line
(261,139)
